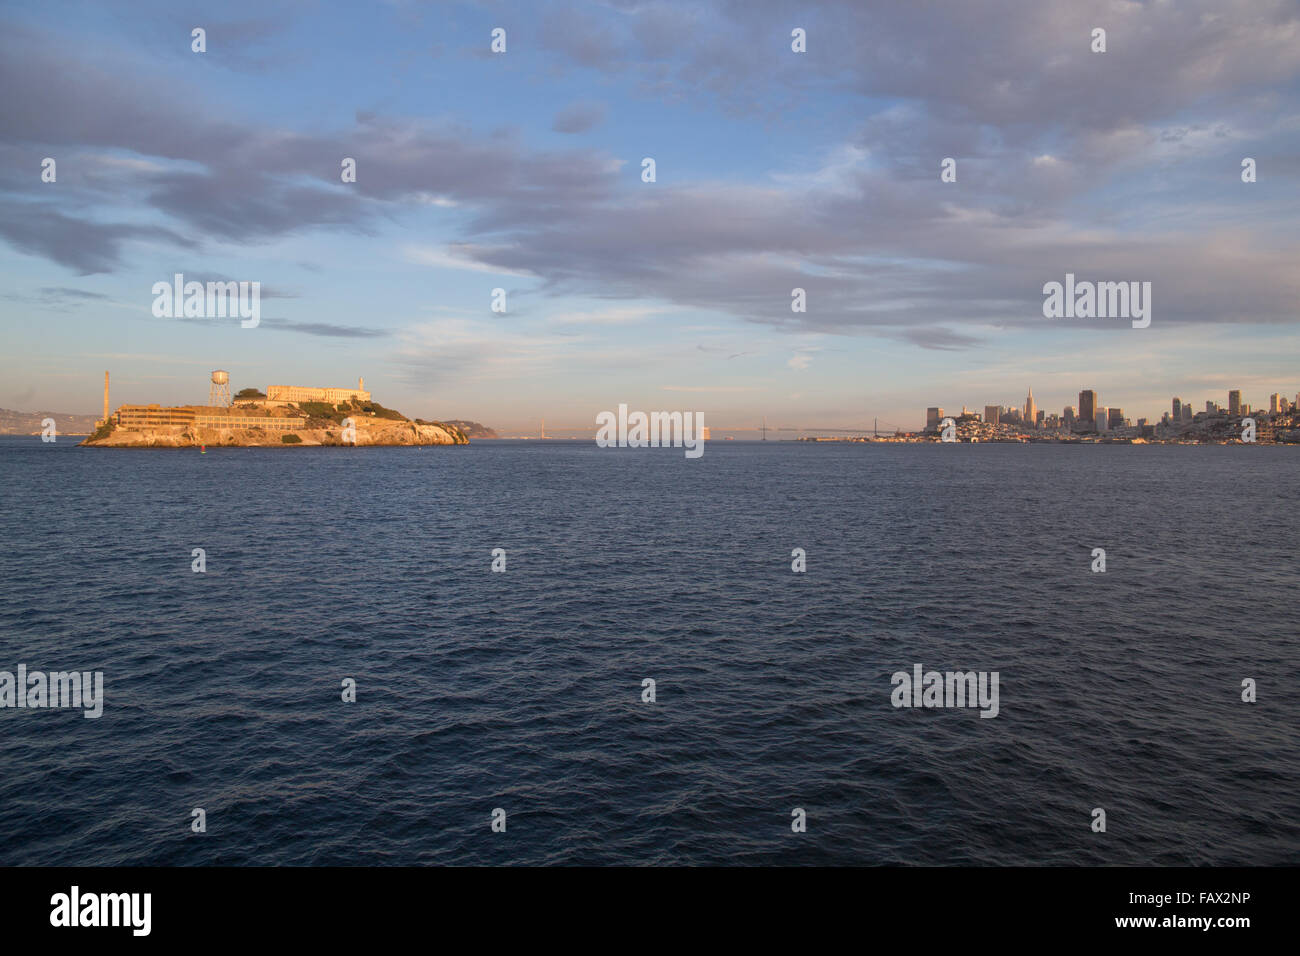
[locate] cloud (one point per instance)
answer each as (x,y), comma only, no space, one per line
(457,256)
(579,117)
(321,329)
(454,348)
(149,357)
(325,329)
(1008,63)
(237,180)
(1067,161)
(799,361)
(726,389)
(60,298)
(629,315)
(940,339)
(63,292)
(85,247)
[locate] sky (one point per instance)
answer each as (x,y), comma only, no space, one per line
(774,170)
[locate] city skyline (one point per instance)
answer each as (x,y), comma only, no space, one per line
(776,170)
(1089,405)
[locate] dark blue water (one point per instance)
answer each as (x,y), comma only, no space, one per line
(522,690)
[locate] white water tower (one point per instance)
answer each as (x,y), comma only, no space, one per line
(219,390)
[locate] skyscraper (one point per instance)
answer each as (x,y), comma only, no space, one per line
(1234,402)
(1274,406)
(1102,420)
(1177,413)
(993,414)
(1069,415)
(933,415)
(1088,406)
(1115,418)
(1031,410)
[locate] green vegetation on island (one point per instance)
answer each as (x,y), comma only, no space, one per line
(336,413)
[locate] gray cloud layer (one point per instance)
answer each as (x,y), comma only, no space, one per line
(1120,165)
(579,117)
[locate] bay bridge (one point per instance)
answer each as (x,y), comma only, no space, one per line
(877,428)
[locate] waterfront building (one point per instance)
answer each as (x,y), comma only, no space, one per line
(149,416)
(199,416)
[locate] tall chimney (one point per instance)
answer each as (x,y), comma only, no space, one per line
(105,395)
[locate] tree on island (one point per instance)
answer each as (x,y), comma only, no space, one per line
(249,393)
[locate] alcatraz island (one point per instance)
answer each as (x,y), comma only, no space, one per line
(283,415)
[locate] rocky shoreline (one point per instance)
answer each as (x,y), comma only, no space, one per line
(380,433)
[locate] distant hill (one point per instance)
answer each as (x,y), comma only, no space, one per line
(472,429)
(29,423)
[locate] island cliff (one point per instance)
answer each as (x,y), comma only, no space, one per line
(264,424)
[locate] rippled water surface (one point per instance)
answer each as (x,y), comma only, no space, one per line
(522,690)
